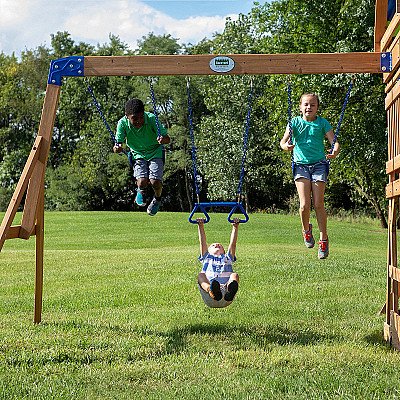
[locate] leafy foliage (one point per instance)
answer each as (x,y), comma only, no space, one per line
(83,174)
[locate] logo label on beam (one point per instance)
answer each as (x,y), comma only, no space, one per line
(222,64)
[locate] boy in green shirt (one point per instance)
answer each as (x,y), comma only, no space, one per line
(145,140)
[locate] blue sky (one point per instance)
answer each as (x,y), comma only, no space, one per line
(185,9)
(26,24)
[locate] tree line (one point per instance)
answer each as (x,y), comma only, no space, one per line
(84,174)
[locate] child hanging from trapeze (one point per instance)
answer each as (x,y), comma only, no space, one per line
(218,283)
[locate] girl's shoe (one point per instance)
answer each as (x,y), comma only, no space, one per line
(308,237)
(323,249)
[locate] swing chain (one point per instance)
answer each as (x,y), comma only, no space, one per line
(97,105)
(245,139)
(154,104)
(197,177)
(290,105)
(346,100)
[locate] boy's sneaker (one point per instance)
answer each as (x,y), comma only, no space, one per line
(308,237)
(215,290)
(323,249)
(232,290)
(139,199)
(153,207)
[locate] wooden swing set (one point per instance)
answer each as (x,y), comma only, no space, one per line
(384,60)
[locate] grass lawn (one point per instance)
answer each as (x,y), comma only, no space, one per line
(123,318)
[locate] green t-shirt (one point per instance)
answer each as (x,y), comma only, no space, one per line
(308,138)
(143,141)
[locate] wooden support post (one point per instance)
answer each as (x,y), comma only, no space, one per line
(381,10)
(39,258)
(34,203)
(36,183)
(391,256)
(395,330)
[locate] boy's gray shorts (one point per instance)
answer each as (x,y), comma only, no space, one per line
(152,169)
(317,172)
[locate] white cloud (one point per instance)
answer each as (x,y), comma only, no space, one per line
(193,29)
(122,18)
(15,12)
(27,24)
(133,21)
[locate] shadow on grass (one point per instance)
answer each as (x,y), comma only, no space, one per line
(376,338)
(84,343)
(243,337)
(176,339)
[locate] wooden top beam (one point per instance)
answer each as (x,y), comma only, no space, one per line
(252,64)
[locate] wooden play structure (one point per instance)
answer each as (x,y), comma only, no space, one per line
(387,40)
(384,60)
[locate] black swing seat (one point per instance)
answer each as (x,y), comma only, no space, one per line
(235,207)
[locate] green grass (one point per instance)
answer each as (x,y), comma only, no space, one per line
(123,319)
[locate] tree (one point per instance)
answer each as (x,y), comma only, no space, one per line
(221,129)
(162,44)
(91,177)
(84,174)
(21,99)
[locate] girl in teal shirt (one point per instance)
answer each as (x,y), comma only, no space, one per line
(310,166)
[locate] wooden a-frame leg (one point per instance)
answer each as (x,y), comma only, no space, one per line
(45,129)
(38,175)
(39,258)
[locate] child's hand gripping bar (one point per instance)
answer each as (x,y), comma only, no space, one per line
(203,207)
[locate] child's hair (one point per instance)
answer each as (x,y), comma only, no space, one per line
(134,106)
(310,94)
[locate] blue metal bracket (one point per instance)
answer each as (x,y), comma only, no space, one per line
(203,208)
(386,61)
(69,66)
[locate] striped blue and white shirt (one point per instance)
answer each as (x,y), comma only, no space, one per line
(217,267)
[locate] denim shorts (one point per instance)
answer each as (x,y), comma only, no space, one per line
(317,172)
(152,169)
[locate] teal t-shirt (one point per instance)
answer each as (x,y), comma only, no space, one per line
(143,141)
(308,138)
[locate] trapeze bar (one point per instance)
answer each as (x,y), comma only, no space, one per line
(204,207)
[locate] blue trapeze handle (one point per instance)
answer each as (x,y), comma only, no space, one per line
(203,207)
